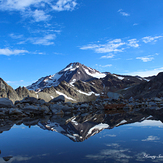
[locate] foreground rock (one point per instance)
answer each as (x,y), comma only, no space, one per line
(31,106)
(6,103)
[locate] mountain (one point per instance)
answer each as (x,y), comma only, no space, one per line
(147,89)
(79,83)
(114,82)
(7,91)
(71,73)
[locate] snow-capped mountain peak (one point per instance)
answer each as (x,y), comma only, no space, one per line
(71,73)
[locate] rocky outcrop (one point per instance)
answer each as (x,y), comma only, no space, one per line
(24,92)
(30,106)
(7,91)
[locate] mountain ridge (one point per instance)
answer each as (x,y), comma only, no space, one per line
(79,83)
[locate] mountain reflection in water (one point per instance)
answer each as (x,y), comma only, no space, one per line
(81,127)
(84,126)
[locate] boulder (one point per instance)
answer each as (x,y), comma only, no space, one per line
(30,100)
(84,105)
(56,109)
(31,109)
(44,109)
(6,103)
(16,111)
(41,101)
(114,96)
(60,98)
(69,104)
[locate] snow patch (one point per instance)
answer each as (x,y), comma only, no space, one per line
(71,68)
(68,68)
(69,98)
(89,93)
(123,121)
(98,127)
(119,77)
(94,74)
(73,81)
(74,122)
(51,97)
(146,79)
(55,127)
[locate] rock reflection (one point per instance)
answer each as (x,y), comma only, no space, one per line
(7,158)
(80,127)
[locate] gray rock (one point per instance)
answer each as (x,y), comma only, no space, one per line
(69,104)
(59,107)
(84,105)
(15,111)
(41,101)
(6,103)
(114,96)
(44,109)
(60,98)
(56,109)
(30,108)
(30,100)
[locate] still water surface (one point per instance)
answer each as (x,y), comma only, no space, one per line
(120,137)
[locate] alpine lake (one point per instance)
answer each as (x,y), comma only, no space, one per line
(109,137)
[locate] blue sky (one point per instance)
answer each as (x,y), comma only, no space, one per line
(40,37)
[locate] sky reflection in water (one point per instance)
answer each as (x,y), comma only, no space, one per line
(134,142)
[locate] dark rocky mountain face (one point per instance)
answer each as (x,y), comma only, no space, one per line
(114,83)
(147,89)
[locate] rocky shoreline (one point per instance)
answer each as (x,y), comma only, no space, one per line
(31,107)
